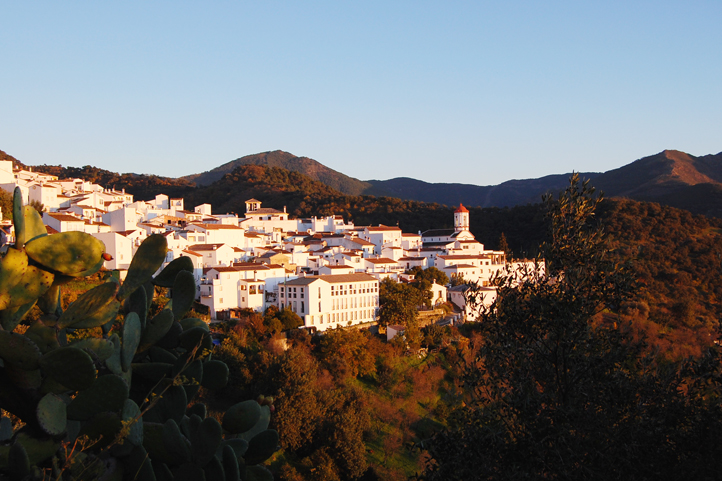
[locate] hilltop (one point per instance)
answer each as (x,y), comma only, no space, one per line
(278,158)
(671,178)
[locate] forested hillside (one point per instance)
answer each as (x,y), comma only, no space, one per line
(143,187)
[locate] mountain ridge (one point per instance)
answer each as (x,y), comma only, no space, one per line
(670,177)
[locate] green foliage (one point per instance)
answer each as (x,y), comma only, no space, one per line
(423,280)
(281,320)
(345,353)
(94,407)
(6,204)
(37,205)
(398,303)
(559,390)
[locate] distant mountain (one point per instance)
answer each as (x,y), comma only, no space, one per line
(671,178)
(509,193)
(278,158)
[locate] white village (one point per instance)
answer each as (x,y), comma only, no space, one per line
(327,270)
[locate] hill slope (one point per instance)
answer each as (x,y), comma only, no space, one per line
(278,158)
(670,177)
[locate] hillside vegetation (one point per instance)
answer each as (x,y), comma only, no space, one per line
(278,158)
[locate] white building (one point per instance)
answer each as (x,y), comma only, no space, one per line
(330,301)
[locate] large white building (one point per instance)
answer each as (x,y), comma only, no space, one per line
(330,301)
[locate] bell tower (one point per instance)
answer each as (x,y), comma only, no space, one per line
(461,218)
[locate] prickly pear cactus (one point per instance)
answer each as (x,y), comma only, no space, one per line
(118,407)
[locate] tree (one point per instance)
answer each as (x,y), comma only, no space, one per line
(6,204)
(345,353)
(430,274)
(559,391)
(38,206)
(398,303)
(502,245)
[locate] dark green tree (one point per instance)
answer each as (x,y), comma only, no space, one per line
(559,391)
(398,303)
(6,204)
(502,245)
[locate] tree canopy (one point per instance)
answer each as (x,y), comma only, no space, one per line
(560,390)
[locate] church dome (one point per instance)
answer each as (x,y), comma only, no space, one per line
(461,209)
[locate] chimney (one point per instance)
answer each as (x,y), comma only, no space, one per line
(284,209)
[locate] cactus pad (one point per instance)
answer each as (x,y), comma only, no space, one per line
(177,445)
(157,327)
(146,261)
(19,351)
(131,339)
(184,293)
(6,429)
(241,417)
(261,447)
(137,303)
(32,284)
(192,322)
(12,268)
(70,253)
(206,440)
(196,336)
(214,470)
(101,349)
(215,374)
(131,413)
(171,339)
(171,405)
(43,336)
(152,371)
(34,226)
(230,464)
(88,310)
(113,362)
(107,393)
(260,426)
(18,461)
(104,427)
(51,414)
(239,446)
(49,302)
(73,368)
(167,276)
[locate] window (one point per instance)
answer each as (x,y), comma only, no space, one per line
(303,308)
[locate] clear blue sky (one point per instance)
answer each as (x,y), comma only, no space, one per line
(474,92)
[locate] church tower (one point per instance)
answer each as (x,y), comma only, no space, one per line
(461,218)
